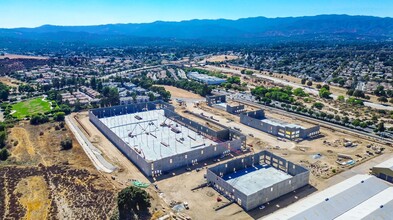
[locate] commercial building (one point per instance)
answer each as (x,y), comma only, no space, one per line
(257,119)
(257,179)
(359,197)
(157,139)
(206,79)
(384,170)
(220,102)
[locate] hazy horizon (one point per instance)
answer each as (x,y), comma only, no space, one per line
(197,19)
(29,14)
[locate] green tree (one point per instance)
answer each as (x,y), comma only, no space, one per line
(131,201)
(345,119)
(356,122)
(4,92)
(382,99)
(304,81)
(3,138)
(59,116)
(324,93)
(318,105)
(299,92)
(381,127)
(93,83)
(341,98)
(38,119)
(309,83)
(379,91)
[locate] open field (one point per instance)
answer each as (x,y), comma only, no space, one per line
(181,93)
(30,107)
(10,81)
(221,58)
(41,182)
(16,56)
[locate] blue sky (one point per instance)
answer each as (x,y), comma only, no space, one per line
(33,13)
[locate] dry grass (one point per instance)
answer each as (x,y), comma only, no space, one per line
(181,93)
(10,81)
(221,58)
(16,56)
(34,196)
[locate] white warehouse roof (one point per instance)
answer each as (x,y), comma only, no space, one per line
(343,199)
(386,164)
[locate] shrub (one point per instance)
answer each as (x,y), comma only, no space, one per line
(38,119)
(66,144)
(59,116)
(4,154)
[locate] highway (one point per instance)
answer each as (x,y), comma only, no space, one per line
(360,134)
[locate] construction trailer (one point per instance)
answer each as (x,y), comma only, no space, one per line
(157,139)
(256,119)
(256,179)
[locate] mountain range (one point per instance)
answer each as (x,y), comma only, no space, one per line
(221,30)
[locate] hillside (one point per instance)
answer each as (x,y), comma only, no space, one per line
(254,30)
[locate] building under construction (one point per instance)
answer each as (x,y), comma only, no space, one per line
(257,179)
(256,119)
(157,139)
(220,102)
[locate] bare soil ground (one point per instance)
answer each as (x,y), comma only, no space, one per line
(16,56)
(221,58)
(41,182)
(181,93)
(10,81)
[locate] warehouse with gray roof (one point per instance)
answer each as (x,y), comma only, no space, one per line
(359,197)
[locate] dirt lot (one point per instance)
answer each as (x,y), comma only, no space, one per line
(41,182)
(10,81)
(181,93)
(221,58)
(16,56)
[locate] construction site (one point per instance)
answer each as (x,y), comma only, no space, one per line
(256,179)
(325,157)
(157,139)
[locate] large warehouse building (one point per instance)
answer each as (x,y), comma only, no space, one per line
(206,79)
(157,139)
(257,119)
(257,179)
(359,197)
(384,170)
